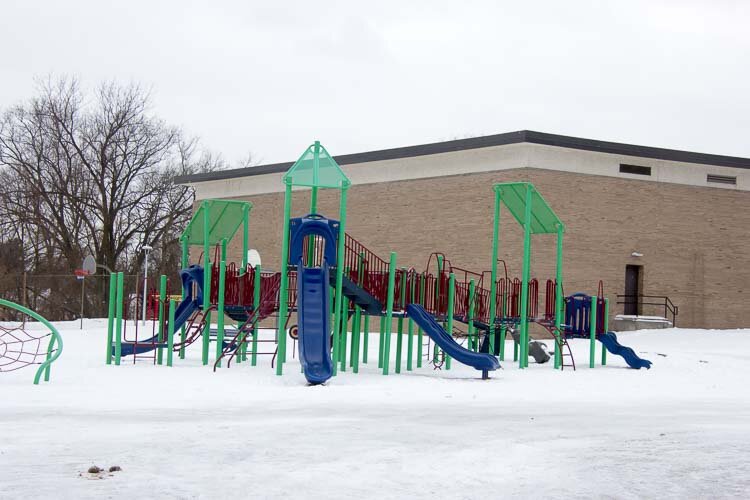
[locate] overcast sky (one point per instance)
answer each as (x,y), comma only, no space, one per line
(270,77)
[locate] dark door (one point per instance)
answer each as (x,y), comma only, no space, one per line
(632,289)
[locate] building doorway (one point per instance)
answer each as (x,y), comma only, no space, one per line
(633,289)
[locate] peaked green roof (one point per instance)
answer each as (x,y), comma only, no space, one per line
(224,218)
(543,218)
(316,168)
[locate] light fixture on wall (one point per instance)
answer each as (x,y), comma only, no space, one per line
(636,254)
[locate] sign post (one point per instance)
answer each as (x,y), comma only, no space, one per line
(81,276)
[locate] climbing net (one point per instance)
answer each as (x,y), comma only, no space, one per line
(20,347)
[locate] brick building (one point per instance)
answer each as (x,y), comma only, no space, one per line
(643,220)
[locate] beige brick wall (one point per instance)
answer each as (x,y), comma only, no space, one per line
(695,241)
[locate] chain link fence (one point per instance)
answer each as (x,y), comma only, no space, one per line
(63,297)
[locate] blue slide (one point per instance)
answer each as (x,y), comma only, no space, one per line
(193,274)
(609,340)
(314,323)
(478,360)
(313,295)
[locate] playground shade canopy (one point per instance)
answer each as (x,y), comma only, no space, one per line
(316,168)
(224,218)
(543,218)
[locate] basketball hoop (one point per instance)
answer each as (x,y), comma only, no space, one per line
(81,274)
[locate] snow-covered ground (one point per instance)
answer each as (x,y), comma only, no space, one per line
(679,430)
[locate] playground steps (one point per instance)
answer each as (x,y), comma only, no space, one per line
(564,346)
(193,329)
(149,355)
(241,336)
(358,295)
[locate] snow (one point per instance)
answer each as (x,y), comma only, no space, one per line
(681,429)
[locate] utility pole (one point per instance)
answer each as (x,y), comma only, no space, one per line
(146,249)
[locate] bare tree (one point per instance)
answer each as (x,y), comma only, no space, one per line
(79,178)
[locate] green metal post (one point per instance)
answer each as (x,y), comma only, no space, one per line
(310,250)
(245,235)
(353,348)
(256,306)
(183,265)
(283,287)
(206,281)
(46,366)
(356,325)
(316,178)
(524,347)
(503,331)
(343,339)
(389,314)
(420,347)
(366,338)
(185,253)
(410,335)
(400,324)
(493,276)
(243,348)
(440,267)
(606,329)
(592,332)
(381,342)
(111,314)
(558,296)
(118,316)
(162,303)
(220,310)
(339,313)
(439,280)
(473,344)
(451,308)
(357,321)
(503,327)
(170,333)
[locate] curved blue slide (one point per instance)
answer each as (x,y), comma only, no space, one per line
(610,341)
(193,274)
(313,314)
(478,360)
(313,295)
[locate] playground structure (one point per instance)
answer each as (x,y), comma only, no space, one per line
(331,280)
(21,347)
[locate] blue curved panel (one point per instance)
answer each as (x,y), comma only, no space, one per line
(299,227)
(478,360)
(609,340)
(314,323)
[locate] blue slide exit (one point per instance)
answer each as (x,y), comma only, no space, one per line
(190,304)
(314,323)
(610,341)
(478,360)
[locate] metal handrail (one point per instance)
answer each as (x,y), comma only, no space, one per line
(663,301)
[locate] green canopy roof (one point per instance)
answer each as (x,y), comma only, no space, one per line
(543,218)
(224,218)
(316,168)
